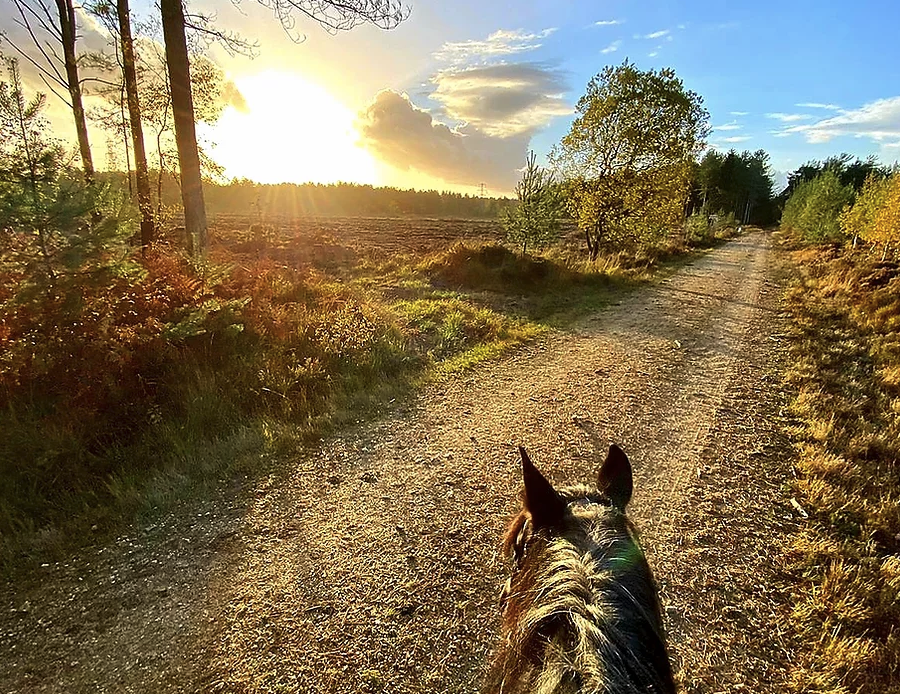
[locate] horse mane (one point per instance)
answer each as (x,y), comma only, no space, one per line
(583,614)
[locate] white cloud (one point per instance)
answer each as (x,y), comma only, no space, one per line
(497,107)
(788,117)
(407,137)
(609,22)
(736,138)
(655,34)
(501,43)
(878,121)
(653,54)
(681,26)
(739,113)
(733,125)
(502,100)
(827,107)
(612,48)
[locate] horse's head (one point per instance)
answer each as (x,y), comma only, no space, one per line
(580,608)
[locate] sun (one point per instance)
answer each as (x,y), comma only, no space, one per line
(293,131)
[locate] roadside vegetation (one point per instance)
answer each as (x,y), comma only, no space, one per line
(842,229)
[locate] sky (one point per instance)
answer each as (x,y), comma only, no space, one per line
(458,93)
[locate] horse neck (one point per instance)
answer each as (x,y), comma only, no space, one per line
(592,624)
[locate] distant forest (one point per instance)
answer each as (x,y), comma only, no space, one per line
(245,197)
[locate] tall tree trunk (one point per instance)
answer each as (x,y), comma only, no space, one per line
(178,65)
(125,140)
(67,30)
(142,175)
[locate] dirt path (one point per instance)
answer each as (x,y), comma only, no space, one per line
(374,567)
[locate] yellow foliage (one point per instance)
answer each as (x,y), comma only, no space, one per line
(627,158)
(875,216)
(886,225)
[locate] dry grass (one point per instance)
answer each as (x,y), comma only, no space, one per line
(845,310)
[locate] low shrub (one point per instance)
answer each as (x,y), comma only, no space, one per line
(95,370)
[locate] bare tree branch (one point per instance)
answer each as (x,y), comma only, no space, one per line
(233,43)
(52,50)
(45,20)
(42,69)
(99,80)
(336,15)
(62,98)
(51,70)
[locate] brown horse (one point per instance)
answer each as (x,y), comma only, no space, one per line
(580,611)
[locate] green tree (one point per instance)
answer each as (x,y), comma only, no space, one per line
(709,180)
(738,184)
(849,171)
(628,156)
(51,222)
(535,220)
(858,221)
(46,30)
(815,208)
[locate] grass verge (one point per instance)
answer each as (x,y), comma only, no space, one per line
(845,315)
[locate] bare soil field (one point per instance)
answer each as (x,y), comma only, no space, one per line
(313,238)
(371,563)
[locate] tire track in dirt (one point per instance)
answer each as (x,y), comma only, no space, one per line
(373,565)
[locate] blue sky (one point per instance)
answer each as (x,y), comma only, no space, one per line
(792,77)
(460,91)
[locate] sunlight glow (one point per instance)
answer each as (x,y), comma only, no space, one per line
(294,131)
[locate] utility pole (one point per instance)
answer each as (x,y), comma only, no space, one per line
(483,188)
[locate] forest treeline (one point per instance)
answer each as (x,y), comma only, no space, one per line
(845,200)
(734,184)
(260,202)
(345,200)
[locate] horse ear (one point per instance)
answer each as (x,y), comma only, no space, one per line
(614,478)
(542,501)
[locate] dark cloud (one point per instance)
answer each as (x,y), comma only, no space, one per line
(502,100)
(91,37)
(407,137)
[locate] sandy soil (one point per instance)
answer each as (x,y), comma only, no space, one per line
(372,564)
